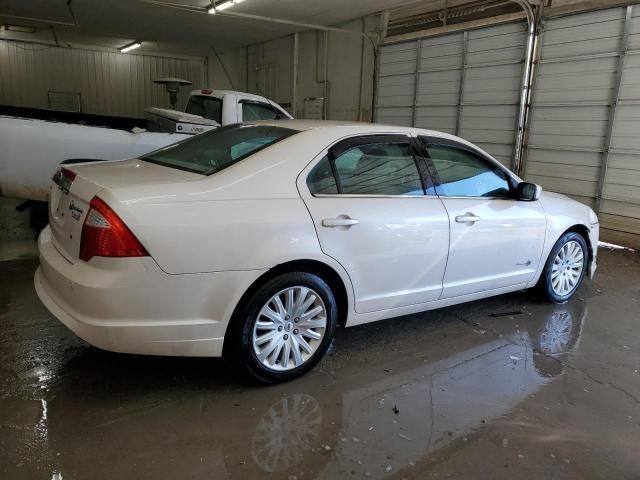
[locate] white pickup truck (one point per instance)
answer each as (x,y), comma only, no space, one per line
(34,142)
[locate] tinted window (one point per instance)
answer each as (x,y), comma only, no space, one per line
(217,149)
(207,107)
(321,180)
(372,169)
(465,174)
(257,111)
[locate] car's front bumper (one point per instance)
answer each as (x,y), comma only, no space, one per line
(130,305)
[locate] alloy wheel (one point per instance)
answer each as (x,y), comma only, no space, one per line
(289,328)
(567,268)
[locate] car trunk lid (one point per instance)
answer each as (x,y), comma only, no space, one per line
(73,187)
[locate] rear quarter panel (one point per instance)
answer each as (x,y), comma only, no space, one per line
(247,217)
(210,236)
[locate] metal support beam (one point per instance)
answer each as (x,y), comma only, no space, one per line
(535,65)
(384,23)
(294,74)
(363,47)
(525,92)
(463,76)
(47,21)
(416,82)
(224,68)
(455,27)
(615,96)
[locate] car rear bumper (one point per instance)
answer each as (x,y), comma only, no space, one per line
(130,305)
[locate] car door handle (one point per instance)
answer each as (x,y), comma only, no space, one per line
(467,218)
(342,221)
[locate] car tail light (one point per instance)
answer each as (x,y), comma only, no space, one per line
(206,91)
(104,234)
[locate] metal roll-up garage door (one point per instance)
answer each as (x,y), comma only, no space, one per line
(465,83)
(585,117)
(620,204)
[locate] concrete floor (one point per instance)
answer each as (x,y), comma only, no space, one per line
(536,391)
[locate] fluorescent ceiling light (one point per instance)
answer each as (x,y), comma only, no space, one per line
(220,6)
(131,46)
(224,4)
(19,28)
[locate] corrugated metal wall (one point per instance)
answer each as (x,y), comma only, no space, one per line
(620,205)
(586,114)
(586,102)
(465,83)
(108,83)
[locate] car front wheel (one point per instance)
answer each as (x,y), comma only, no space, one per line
(287,327)
(565,268)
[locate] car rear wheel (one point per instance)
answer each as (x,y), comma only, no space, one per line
(287,327)
(565,269)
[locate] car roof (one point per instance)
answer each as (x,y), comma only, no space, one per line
(338,129)
(354,128)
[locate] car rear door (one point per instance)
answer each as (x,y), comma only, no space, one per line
(367,198)
(496,240)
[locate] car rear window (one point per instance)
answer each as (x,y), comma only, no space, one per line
(218,149)
(205,106)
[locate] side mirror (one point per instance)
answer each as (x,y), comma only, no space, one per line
(528,192)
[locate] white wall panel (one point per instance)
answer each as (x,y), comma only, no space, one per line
(109,83)
(270,67)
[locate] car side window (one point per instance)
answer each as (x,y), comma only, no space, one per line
(464,174)
(257,111)
(368,169)
(321,180)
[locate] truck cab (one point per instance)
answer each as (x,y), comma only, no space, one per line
(227,107)
(37,141)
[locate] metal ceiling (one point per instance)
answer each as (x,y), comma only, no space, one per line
(186,30)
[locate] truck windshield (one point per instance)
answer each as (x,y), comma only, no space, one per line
(204,106)
(218,149)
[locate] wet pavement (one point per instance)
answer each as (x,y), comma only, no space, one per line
(508,387)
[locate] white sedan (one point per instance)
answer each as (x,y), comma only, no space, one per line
(257,240)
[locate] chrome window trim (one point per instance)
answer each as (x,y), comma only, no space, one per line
(440,197)
(357,195)
(481,198)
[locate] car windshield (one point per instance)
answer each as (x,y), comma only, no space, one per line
(218,149)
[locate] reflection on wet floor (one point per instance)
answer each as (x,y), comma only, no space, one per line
(542,391)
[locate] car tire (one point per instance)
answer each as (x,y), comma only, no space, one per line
(555,285)
(248,333)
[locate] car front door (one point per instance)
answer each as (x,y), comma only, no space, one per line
(496,240)
(366,196)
